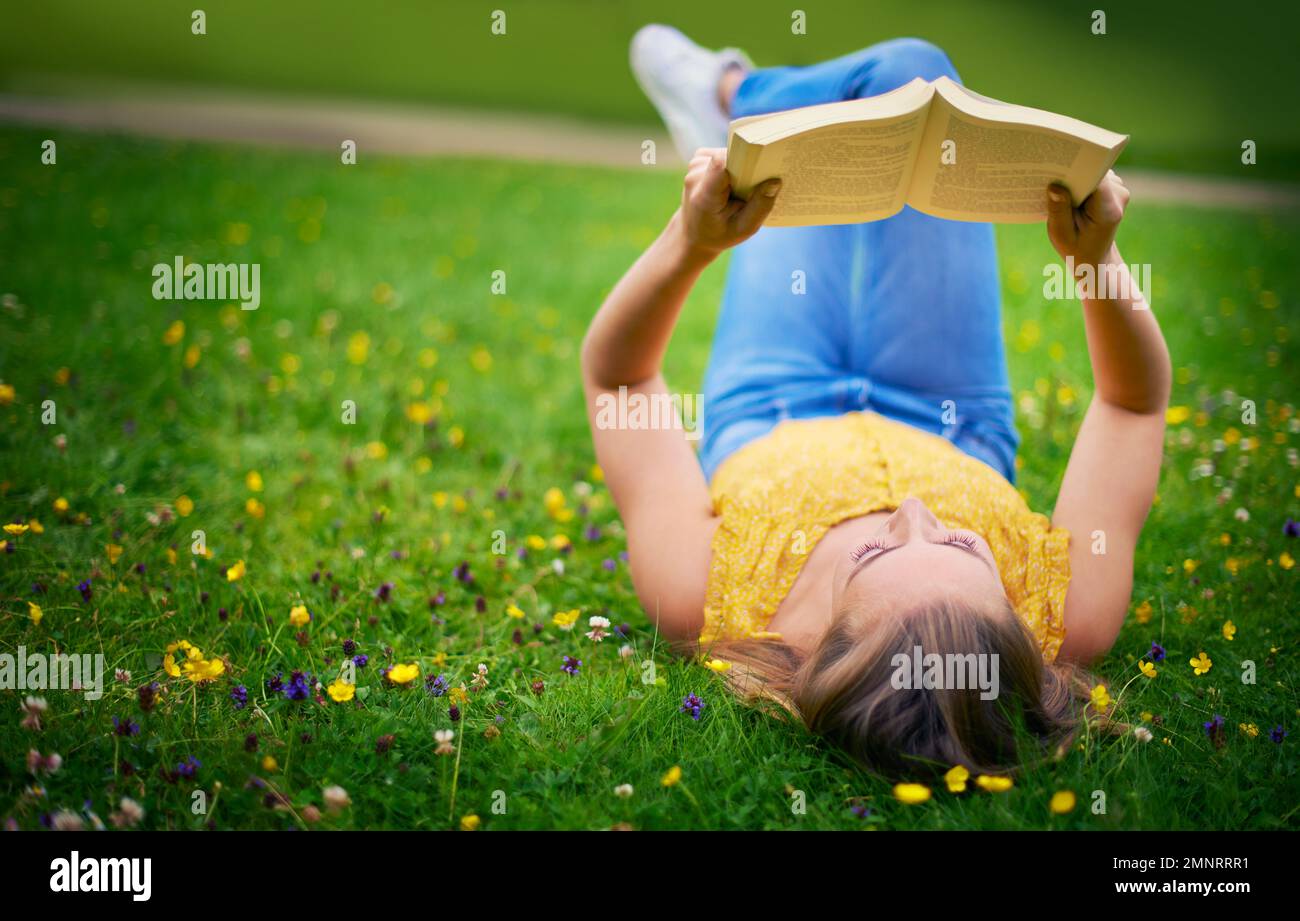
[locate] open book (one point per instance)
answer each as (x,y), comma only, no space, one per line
(931,144)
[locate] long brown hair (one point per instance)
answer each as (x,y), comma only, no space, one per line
(842,689)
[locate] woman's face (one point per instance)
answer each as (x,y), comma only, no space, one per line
(912,559)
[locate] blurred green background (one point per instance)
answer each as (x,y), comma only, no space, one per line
(1188,81)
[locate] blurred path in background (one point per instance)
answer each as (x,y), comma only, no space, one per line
(428,131)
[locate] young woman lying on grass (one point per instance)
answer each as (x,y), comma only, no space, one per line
(832,520)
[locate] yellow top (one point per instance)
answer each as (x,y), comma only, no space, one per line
(779,494)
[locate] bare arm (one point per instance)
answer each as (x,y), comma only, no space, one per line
(652,473)
(1114,468)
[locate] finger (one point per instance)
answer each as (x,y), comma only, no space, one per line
(1106,205)
(755,211)
(715,185)
(1060,216)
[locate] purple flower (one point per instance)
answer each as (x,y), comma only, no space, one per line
(592,532)
(189,767)
(1291,528)
(240,696)
(276,684)
(571,665)
(609,564)
(436,685)
(1278,734)
(438,600)
(1157,653)
(463,574)
(384,591)
(84,588)
(861,812)
(349,647)
(125,727)
(299,686)
(692,704)
(1214,729)
(147,693)
(361,661)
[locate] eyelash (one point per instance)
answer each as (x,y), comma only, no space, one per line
(954,538)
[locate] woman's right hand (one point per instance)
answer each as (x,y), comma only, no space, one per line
(1087,234)
(712,219)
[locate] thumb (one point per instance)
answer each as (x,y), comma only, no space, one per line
(1060,217)
(761,201)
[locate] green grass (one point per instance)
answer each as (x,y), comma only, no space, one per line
(403,251)
(1188,81)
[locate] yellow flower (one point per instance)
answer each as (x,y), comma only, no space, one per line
(60,505)
(1142,613)
(911,793)
(455,436)
(535,542)
(376,450)
(192,355)
(255,508)
(1286,561)
(403,674)
(1177,415)
(15,529)
(199,669)
(1189,566)
(171,556)
(36,526)
(597,475)
(718,665)
(1062,802)
(1249,729)
(419,413)
(956,779)
(358,348)
(184,506)
(556,504)
(514,611)
(766,635)
(1147,669)
(236,572)
(35,613)
(174,334)
(1201,664)
(298,615)
(481,359)
(269,764)
(565,619)
(559,542)
(470,823)
(1229,630)
(993,783)
(341,692)
(253,480)
(114,551)
(1100,697)
(7,394)
(672,776)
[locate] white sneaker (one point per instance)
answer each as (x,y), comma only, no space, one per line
(681,79)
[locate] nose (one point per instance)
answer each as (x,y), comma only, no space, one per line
(912,518)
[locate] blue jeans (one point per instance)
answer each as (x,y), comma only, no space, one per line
(901,316)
